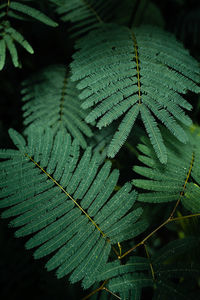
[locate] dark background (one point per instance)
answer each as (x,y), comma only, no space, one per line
(20,275)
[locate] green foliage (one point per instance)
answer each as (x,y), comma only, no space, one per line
(85,15)
(52,99)
(8,38)
(42,195)
(127,278)
(9,35)
(100,98)
(122,72)
(32,12)
(166,183)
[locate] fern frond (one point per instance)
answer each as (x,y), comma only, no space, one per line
(39,184)
(128,282)
(85,15)
(129,275)
(170,182)
(9,35)
(118,70)
(32,12)
(52,99)
(113,269)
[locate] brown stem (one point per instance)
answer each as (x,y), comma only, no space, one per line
(170,219)
(184,217)
(144,240)
(158,228)
(95,291)
(183,190)
(107,290)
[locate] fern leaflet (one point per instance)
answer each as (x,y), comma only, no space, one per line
(85,15)
(22,8)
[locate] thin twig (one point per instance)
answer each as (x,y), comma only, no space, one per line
(95,291)
(170,219)
(144,240)
(107,290)
(184,217)
(148,256)
(183,190)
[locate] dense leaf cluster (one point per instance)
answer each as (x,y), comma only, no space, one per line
(107,156)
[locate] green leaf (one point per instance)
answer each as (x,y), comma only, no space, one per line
(129,281)
(124,129)
(40,184)
(12,49)
(8,38)
(178,179)
(2,53)
(154,134)
(84,15)
(51,99)
(116,69)
(32,12)
(20,39)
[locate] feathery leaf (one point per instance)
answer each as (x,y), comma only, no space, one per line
(170,182)
(32,12)
(118,69)
(52,99)
(40,183)
(85,15)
